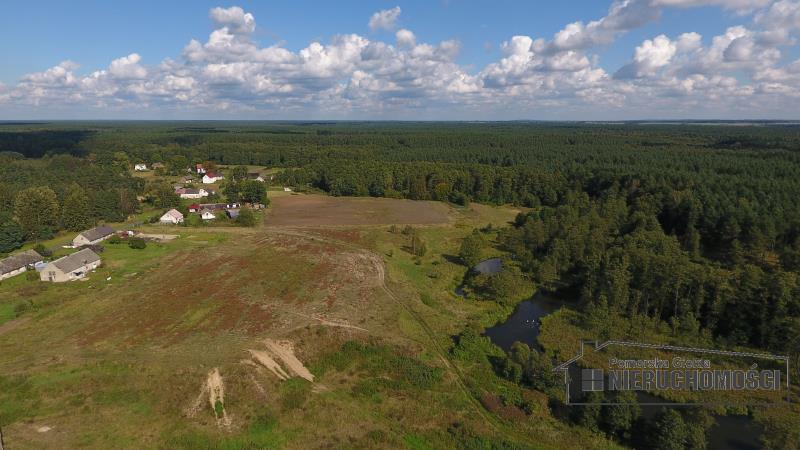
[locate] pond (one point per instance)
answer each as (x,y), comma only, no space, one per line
(729,432)
(523,324)
(491,266)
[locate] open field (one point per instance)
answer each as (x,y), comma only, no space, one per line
(320,210)
(267,337)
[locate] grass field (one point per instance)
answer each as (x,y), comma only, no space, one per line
(185,344)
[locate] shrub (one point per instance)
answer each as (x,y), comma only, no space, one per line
(32,275)
(115,239)
(42,250)
(22,307)
(137,243)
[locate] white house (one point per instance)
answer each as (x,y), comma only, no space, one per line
(211,177)
(173,216)
(93,236)
(200,169)
(287,189)
(256,177)
(191,193)
(19,263)
(71,267)
(140,167)
(206,214)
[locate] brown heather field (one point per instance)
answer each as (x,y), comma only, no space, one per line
(188,344)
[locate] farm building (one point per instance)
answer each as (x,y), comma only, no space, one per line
(216,206)
(173,216)
(232,213)
(200,169)
(140,167)
(21,262)
(188,179)
(256,177)
(158,165)
(93,236)
(287,189)
(207,214)
(191,193)
(211,177)
(71,267)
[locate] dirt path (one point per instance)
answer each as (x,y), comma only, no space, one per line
(12,324)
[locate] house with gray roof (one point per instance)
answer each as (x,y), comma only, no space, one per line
(93,236)
(71,267)
(19,263)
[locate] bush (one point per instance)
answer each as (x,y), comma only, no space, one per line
(31,275)
(115,239)
(42,250)
(246,218)
(22,307)
(137,243)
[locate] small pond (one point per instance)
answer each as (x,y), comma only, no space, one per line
(523,324)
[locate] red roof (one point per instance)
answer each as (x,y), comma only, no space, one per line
(194,206)
(212,175)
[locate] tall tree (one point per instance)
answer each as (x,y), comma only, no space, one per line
(76,214)
(11,236)
(471,246)
(37,211)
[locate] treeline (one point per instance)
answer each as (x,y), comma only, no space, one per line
(616,252)
(39,197)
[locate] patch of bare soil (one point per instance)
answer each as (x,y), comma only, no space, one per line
(320,210)
(214,390)
(282,351)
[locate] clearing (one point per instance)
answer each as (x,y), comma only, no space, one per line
(319,210)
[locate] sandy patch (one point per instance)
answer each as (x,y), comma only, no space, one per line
(214,391)
(266,361)
(288,366)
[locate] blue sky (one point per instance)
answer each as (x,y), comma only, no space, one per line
(39,35)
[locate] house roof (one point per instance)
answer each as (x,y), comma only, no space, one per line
(212,175)
(205,210)
(174,213)
(158,164)
(233,213)
(253,175)
(98,233)
(19,261)
(191,191)
(76,260)
(194,206)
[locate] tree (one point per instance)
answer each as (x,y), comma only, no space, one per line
(252,191)
(669,431)
(246,218)
(11,236)
(239,173)
(470,251)
(76,215)
(588,416)
(418,247)
(618,419)
(163,196)
(177,164)
(37,212)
